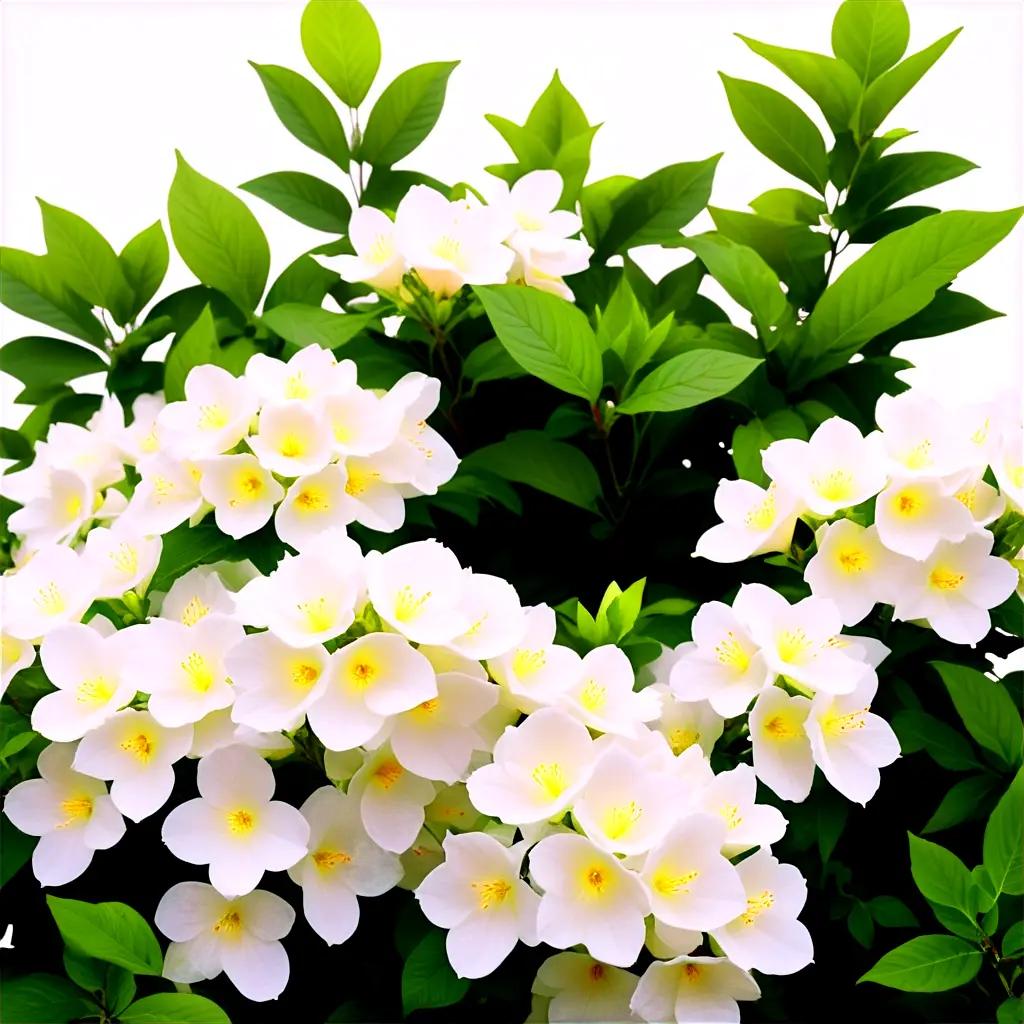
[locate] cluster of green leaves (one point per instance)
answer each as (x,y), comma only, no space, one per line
(106,946)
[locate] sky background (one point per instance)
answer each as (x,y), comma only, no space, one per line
(97,95)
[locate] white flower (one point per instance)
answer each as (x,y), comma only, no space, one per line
(731,795)
(955,587)
(981,499)
(243,494)
(378,260)
(371,678)
(311,374)
(15,654)
(912,516)
(684,723)
(722,664)
(217,730)
(70,812)
(853,569)
(53,588)
(450,244)
(310,597)
(140,440)
(313,506)
(84,451)
(391,800)
(589,897)
(275,684)
(583,990)
(693,990)
(121,559)
(496,618)
(798,640)
(342,863)
(849,743)
(92,678)
(168,494)
(837,468)
(360,422)
(539,768)
(537,672)
(436,738)
(371,495)
(544,262)
(602,695)
(214,417)
(478,896)
(138,754)
(754,522)
(58,513)
(781,750)
(211,933)
(767,936)
(196,594)
(292,439)
(233,825)
(419,590)
(1008,466)
(690,884)
(625,807)
(921,437)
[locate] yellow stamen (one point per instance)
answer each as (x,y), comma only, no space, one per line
(594,696)
(836,486)
(49,600)
(408,606)
(199,672)
(212,417)
(95,691)
(944,578)
(680,739)
(77,808)
(731,813)
(194,611)
(551,778)
(312,499)
(328,860)
(125,559)
(620,820)
(669,884)
(141,746)
(853,559)
(241,821)
(757,905)
(388,773)
(492,893)
(229,925)
(318,614)
(730,652)
(528,663)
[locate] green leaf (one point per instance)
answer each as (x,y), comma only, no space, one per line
(217,236)
(144,263)
(491,361)
(45,363)
(186,547)
(305,198)
(405,113)
(303,281)
(556,117)
(789,205)
(1004,840)
(428,980)
(341,42)
(746,277)
(85,261)
(656,208)
(547,336)
(917,730)
(986,709)
(311,325)
(30,285)
(831,83)
(892,281)
(112,932)
(860,925)
(15,850)
(949,311)
(779,129)
(13,445)
(889,88)
(1010,1011)
(961,802)
(928,963)
(688,379)
(940,875)
(890,912)
(198,345)
(166,1007)
(870,35)
(305,111)
(42,999)
(885,223)
(1013,940)
(531,457)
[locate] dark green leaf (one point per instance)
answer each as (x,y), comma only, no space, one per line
(986,709)
(42,999)
(963,801)
(889,221)
(939,874)
(172,1008)
(45,363)
(949,311)
(918,730)
(217,236)
(1004,840)
(15,850)
(112,932)
(860,925)
(387,187)
(305,111)
(428,980)
(186,547)
(144,263)
(1013,940)
(688,379)
(870,35)
(341,41)
(13,445)
(312,325)
(1011,1011)
(405,113)
(889,912)
(303,281)
(928,963)
(198,345)
(491,361)
(307,199)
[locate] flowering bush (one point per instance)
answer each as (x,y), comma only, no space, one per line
(260,608)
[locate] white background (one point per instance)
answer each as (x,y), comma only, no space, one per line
(96,96)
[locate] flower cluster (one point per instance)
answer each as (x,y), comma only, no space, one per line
(519,237)
(901,515)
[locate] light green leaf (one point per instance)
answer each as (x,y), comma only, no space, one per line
(831,83)
(940,875)
(789,205)
(546,336)
(112,932)
(1003,851)
(889,88)
(928,963)
(428,980)
(46,363)
(656,208)
(556,117)
(217,236)
(1013,940)
(198,345)
(341,42)
(870,35)
(891,282)
(405,113)
(85,260)
(144,263)
(986,709)
(688,379)
(168,1007)
(777,127)
(532,457)
(1010,1011)
(310,325)
(307,199)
